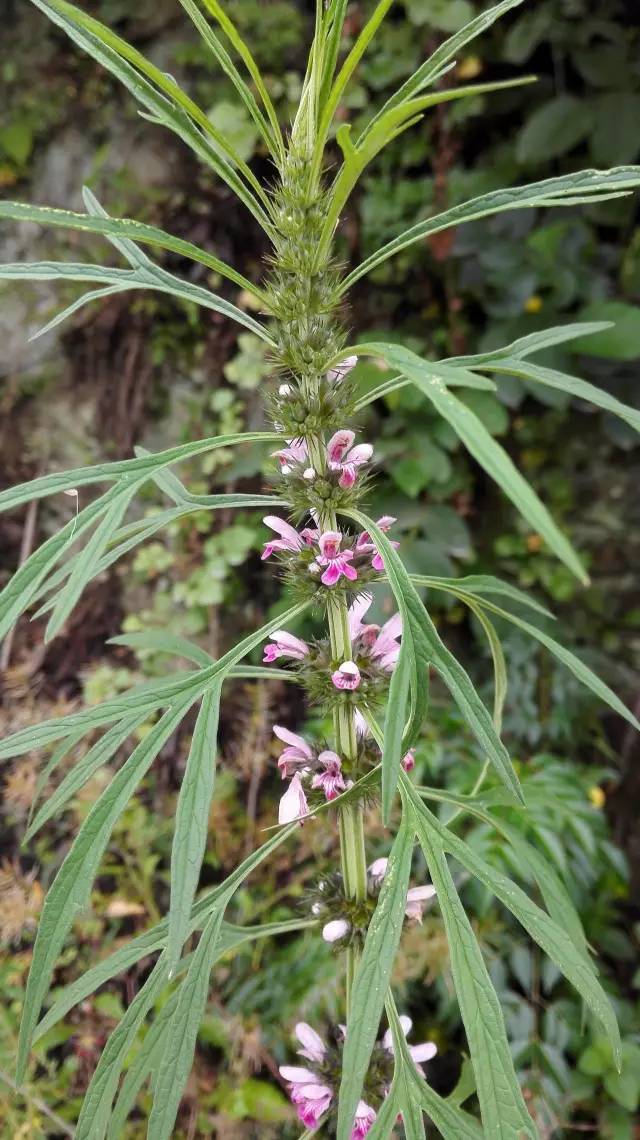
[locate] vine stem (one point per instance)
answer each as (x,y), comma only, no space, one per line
(350,817)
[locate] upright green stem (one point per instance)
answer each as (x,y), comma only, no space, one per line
(351,817)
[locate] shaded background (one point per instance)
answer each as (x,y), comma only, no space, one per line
(143,369)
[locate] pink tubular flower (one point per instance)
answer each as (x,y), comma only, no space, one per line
(296,755)
(331,779)
(424,1052)
(289,537)
(307,1092)
(409,761)
(347,676)
(364,1118)
(336,374)
(284,644)
(417,898)
(295,452)
(337,562)
(293,804)
(364,545)
(381,644)
(344,457)
(313,1047)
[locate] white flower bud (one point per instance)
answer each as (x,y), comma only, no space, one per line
(335,930)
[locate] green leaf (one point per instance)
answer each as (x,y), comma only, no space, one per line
(621,340)
(446,52)
(581,389)
(533,342)
(560,191)
(72,885)
(451,1122)
(147,465)
(556,896)
(481,585)
(583,673)
(162,641)
(192,821)
(504,1112)
(146,1060)
(98,1099)
(551,937)
(123,228)
(272,140)
(485,450)
(426,646)
(86,563)
(553,129)
(144,698)
(177,1058)
(97,756)
(160,95)
(624,1088)
(372,978)
(154,940)
(499,664)
(144,277)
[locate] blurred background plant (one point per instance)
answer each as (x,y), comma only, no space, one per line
(141,371)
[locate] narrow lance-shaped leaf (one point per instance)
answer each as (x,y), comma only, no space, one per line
(574,664)
(452,1123)
(550,192)
(432,68)
(552,938)
(72,885)
(533,342)
(168,104)
(123,228)
(485,450)
(192,820)
(562,382)
(372,978)
(144,277)
(181,1040)
(431,648)
(146,465)
(504,1112)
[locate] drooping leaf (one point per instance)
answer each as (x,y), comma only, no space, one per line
(485,450)
(428,647)
(534,342)
(561,382)
(483,585)
(372,978)
(551,937)
(559,191)
(504,1112)
(72,886)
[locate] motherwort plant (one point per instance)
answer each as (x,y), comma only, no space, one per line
(360,1077)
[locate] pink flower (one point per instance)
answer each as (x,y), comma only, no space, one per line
(336,929)
(364,1118)
(360,724)
(293,804)
(295,452)
(347,676)
(409,761)
(313,1047)
(381,644)
(424,1052)
(331,779)
(337,562)
(285,645)
(307,1092)
(289,537)
(364,544)
(336,374)
(417,898)
(378,870)
(343,457)
(297,754)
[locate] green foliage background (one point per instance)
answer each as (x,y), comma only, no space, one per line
(139,370)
